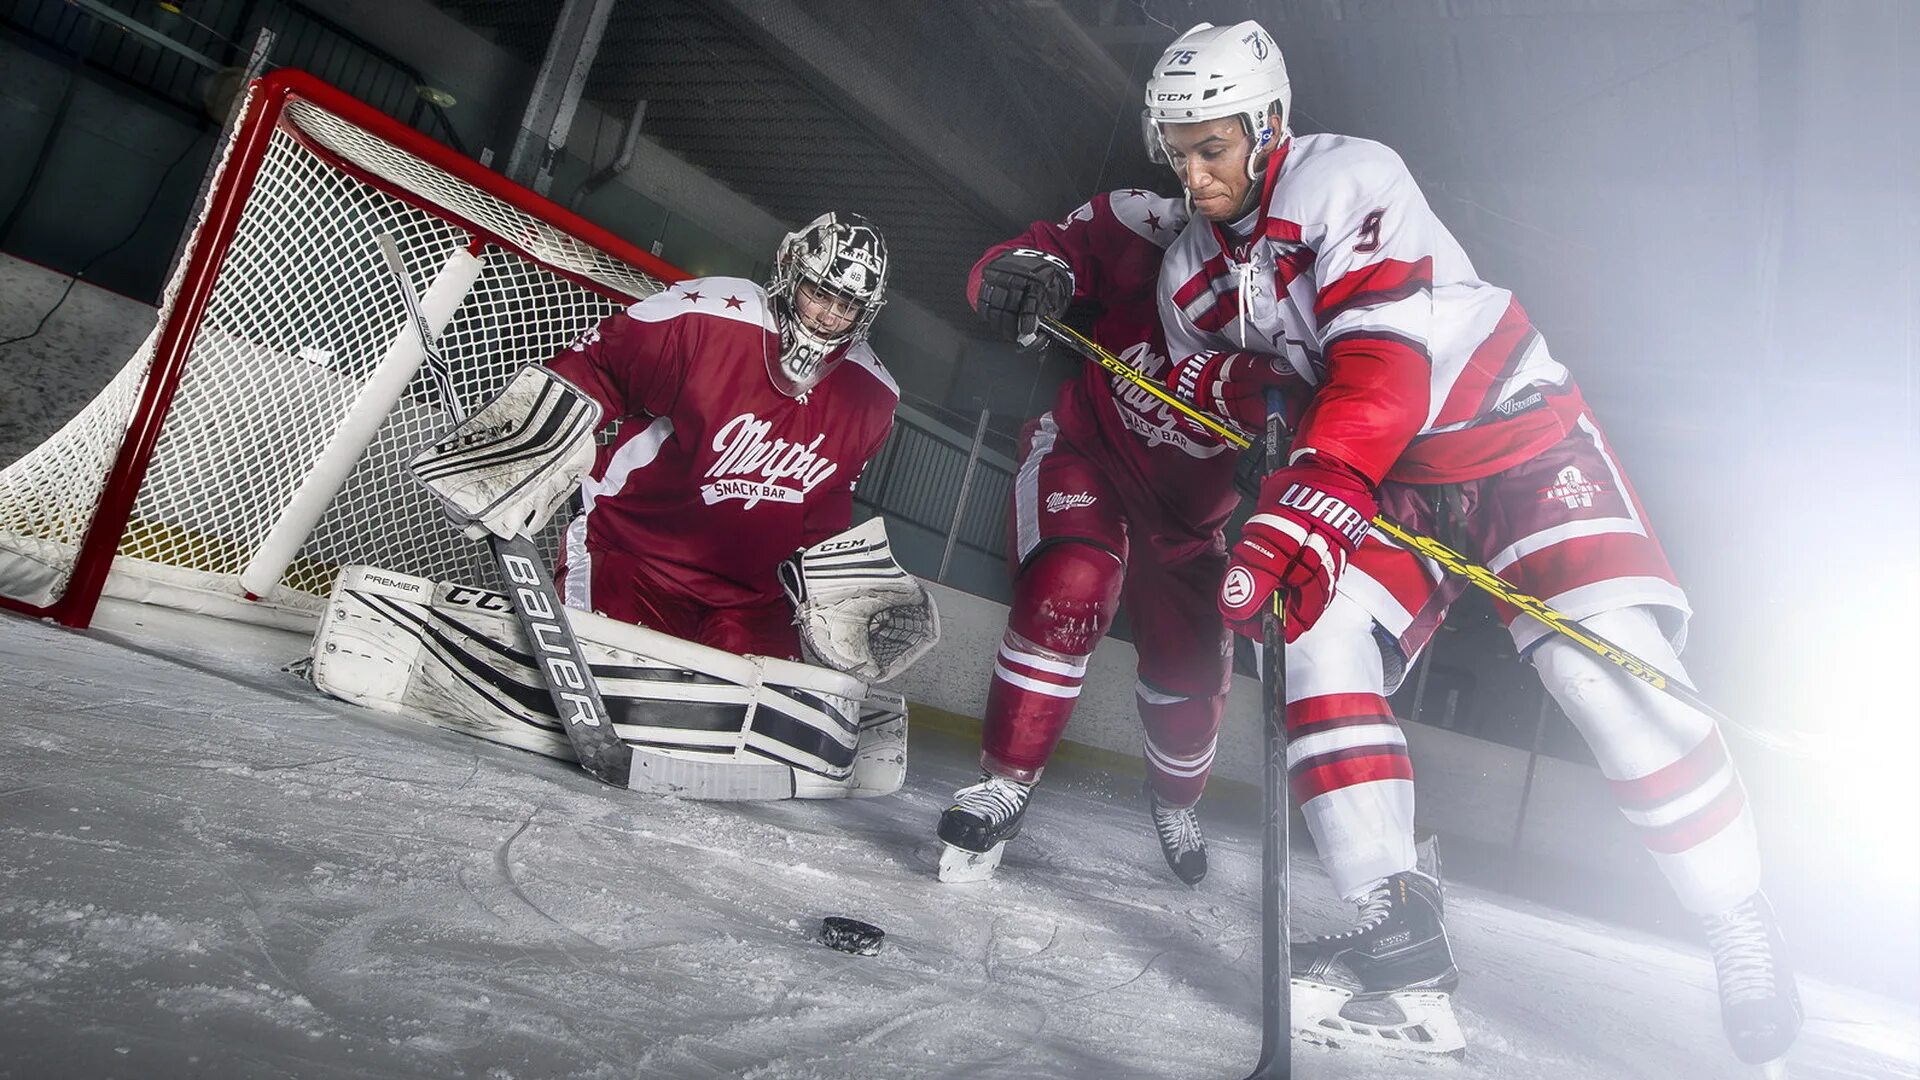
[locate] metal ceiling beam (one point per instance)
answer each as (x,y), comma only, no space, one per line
(556,92)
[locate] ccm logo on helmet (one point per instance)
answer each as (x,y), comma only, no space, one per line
(1172,97)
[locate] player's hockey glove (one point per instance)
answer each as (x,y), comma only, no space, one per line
(1311,516)
(857,610)
(1021,286)
(510,465)
(1231,385)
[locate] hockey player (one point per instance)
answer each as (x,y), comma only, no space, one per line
(1314,263)
(1118,498)
(748,415)
(717,518)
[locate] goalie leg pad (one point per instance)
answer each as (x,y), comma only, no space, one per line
(733,726)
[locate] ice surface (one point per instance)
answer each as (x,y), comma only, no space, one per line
(210,870)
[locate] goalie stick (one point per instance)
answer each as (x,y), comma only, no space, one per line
(563,667)
(1450,560)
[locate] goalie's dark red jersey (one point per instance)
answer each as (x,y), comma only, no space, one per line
(716,476)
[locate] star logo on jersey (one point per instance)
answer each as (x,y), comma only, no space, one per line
(735,303)
(691,298)
(1153,222)
(1572,487)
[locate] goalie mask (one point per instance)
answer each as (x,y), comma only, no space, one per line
(829,280)
(1211,72)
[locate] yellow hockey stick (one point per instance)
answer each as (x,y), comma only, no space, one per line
(1450,560)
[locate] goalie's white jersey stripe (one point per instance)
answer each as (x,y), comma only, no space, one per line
(635,454)
(1050,689)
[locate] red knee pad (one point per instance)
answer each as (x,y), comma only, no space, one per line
(1066,596)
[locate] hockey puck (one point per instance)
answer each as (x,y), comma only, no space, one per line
(850,935)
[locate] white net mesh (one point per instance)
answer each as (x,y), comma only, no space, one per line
(301,310)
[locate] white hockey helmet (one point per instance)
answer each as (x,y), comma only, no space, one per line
(1211,72)
(843,257)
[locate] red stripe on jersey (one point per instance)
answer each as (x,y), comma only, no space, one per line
(1451,457)
(1205,307)
(1281,229)
(1700,826)
(1666,784)
(1291,256)
(1392,346)
(1377,283)
(1328,711)
(1373,763)
(1493,362)
(1196,286)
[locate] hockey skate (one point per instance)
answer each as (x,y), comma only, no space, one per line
(978,825)
(1759,1003)
(1387,982)
(1180,840)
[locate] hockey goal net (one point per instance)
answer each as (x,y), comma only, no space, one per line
(257,440)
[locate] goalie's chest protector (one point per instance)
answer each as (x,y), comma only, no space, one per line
(713,475)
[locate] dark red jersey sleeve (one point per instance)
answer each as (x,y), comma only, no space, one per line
(631,364)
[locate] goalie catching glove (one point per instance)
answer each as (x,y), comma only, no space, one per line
(857,610)
(506,469)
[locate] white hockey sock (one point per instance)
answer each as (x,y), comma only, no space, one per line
(1668,767)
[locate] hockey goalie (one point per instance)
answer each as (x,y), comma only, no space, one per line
(733,621)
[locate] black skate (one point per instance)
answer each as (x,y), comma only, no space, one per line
(1386,982)
(1759,1004)
(978,825)
(1180,840)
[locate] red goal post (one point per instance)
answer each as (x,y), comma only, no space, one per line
(255,443)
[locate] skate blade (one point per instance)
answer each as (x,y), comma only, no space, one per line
(1425,1024)
(1772,1070)
(958,866)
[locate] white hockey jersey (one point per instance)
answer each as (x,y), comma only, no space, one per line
(1415,368)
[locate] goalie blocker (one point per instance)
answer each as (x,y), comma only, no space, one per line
(704,723)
